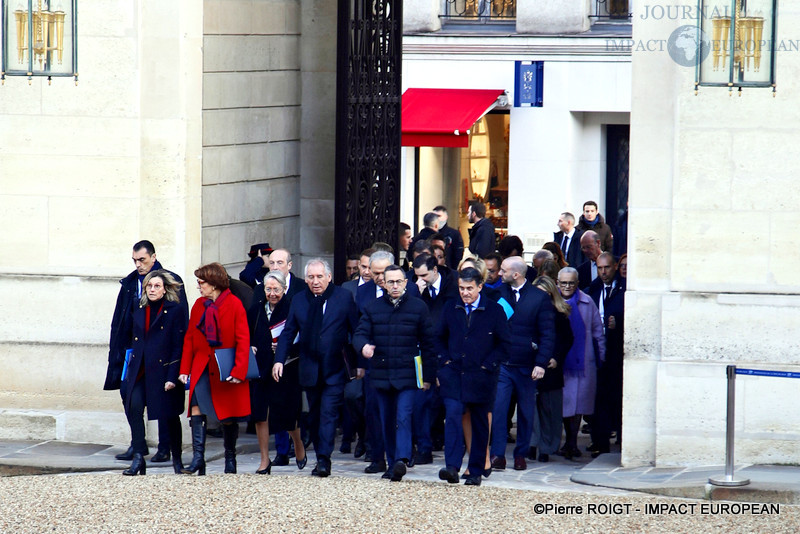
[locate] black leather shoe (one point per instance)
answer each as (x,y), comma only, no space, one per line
(398,471)
(160,456)
(423,458)
(531,453)
(473,481)
(345,448)
(387,475)
(600,451)
(281,459)
(376,467)
(487,473)
(592,447)
(301,463)
(360,449)
(544,457)
(126,456)
(137,466)
(266,471)
(450,474)
(322,469)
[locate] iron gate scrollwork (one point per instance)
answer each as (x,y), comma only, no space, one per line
(367,126)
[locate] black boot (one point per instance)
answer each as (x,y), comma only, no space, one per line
(198,464)
(126,456)
(137,466)
(175,444)
(230,433)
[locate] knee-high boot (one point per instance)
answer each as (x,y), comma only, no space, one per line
(230,433)
(198,464)
(175,443)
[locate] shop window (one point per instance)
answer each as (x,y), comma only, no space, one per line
(39,38)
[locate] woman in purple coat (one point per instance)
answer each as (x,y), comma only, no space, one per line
(584,357)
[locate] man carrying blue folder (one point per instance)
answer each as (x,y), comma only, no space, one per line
(393,331)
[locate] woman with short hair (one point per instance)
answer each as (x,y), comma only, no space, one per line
(217,321)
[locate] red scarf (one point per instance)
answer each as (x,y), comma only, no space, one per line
(209,321)
(147,316)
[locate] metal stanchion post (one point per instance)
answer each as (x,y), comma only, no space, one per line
(730,479)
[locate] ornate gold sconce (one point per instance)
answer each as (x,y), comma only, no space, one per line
(738,36)
(38,33)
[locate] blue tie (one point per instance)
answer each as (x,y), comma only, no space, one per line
(469,309)
(432,291)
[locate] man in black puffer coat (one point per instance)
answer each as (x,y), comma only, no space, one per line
(393,330)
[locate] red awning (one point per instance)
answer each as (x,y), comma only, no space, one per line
(443,117)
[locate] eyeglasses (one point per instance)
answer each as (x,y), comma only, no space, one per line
(567,284)
(201,282)
(393,282)
(273,290)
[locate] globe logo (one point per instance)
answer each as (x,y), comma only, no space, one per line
(685,43)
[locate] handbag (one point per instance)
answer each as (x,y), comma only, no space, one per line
(227,357)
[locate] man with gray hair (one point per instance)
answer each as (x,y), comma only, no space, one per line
(539,258)
(325,317)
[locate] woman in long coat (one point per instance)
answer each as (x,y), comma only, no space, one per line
(152,373)
(217,321)
(275,406)
(587,353)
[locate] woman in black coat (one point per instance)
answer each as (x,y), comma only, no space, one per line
(274,406)
(549,398)
(151,377)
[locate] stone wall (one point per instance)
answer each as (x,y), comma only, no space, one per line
(713,256)
(251,127)
(85,171)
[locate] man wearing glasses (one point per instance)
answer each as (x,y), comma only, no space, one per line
(393,330)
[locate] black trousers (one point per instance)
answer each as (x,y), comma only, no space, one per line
(170,426)
(163,427)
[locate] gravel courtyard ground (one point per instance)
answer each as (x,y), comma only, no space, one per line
(251,503)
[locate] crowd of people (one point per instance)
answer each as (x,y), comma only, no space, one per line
(435,348)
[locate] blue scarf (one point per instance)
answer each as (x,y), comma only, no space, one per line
(574,362)
(594,222)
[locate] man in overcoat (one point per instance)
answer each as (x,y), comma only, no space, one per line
(473,338)
(325,317)
(121,339)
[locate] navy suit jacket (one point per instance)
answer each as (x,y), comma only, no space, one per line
(614,306)
(448,289)
(573,254)
(338,323)
(585,276)
(471,349)
(533,322)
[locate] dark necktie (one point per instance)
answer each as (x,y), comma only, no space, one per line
(516,295)
(432,291)
(607,293)
(564,244)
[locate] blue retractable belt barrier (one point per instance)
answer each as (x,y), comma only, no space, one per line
(760,372)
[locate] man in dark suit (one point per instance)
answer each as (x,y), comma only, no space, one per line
(473,338)
(569,239)
(364,274)
(144,259)
(608,292)
(454,243)
(325,317)
(393,330)
(437,285)
(481,235)
(255,270)
(587,271)
(532,328)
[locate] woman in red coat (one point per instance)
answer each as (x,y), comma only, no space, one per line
(217,321)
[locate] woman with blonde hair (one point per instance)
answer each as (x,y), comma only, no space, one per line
(550,388)
(151,376)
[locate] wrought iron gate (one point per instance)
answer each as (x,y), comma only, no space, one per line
(367,126)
